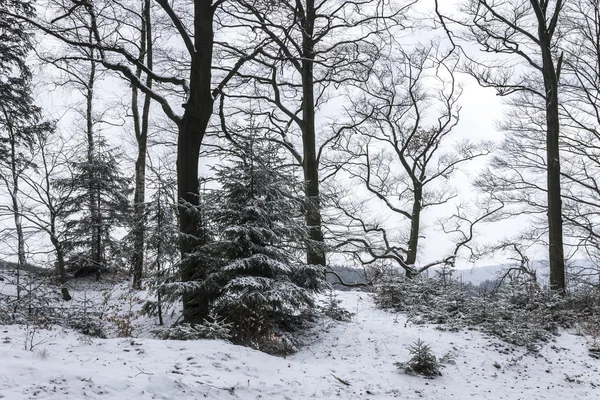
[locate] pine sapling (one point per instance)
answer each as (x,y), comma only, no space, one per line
(422,362)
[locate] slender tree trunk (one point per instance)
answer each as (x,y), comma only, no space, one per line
(96,239)
(192,128)
(16,211)
(315,250)
(14,195)
(141,133)
(159,252)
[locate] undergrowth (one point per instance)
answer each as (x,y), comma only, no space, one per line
(518,312)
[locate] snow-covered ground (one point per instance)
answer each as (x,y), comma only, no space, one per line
(341,360)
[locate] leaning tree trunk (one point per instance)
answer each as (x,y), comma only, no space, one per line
(192,128)
(315,249)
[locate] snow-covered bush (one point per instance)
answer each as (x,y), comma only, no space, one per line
(212,328)
(517,312)
(27,299)
(422,362)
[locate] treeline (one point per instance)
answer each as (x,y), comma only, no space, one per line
(326,130)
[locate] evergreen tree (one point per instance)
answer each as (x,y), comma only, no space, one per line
(257,281)
(99,206)
(20,118)
(162,249)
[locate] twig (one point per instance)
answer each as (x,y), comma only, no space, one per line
(341,380)
(231,389)
(142,372)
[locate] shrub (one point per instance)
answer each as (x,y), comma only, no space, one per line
(517,312)
(215,328)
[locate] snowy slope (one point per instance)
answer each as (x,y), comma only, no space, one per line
(342,361)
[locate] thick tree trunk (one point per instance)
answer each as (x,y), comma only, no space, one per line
(315,250)
(555,222)
(192,128)
(415,224)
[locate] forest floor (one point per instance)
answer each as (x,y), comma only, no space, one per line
(352,360)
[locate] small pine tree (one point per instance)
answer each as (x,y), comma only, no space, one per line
(257,281)
(161,242)
(422,362)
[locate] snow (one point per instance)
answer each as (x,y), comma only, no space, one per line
(66,365)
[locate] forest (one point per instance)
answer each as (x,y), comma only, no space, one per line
(244,170)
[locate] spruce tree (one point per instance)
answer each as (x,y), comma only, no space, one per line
(99,206)
(257,281)
(162,251)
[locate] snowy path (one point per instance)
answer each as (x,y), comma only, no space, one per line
(360,353)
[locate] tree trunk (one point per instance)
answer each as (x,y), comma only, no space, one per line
(555,222)
(95,248)
(141,133)
(413,241)
(315,249)
(60,265)
(14,196)
(192,128)
(159,252)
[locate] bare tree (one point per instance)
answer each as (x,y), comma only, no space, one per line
(91,177)
(402,153)
(45,206)
(525,33)
(581,110)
